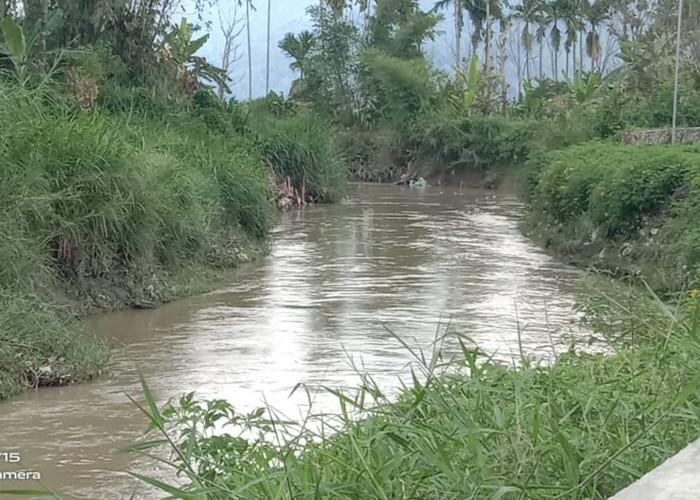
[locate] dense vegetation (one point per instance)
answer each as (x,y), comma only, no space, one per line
(584,426)
(628,209)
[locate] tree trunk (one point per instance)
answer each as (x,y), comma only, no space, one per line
(528,49)
(250,61)
(458,32)
(580,49)
(541,57)
(42,36)
(503,39)
(487,53)
(267,68)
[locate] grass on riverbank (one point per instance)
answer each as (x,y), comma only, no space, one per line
(630,210)
(584,427)
(103,210)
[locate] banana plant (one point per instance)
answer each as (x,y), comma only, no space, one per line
(582,87)
(14,46)
(180,48)
(470,81)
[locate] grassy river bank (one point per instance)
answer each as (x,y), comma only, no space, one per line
(105,210)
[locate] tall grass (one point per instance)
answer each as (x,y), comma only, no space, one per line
(112,200)
(302,148)
(583,427)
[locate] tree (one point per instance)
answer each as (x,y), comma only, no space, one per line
(573,25)
(458,22)
(248,6)
(596,13)
(298,47)
(400,27)
(267,65)
(553,13)
(526,12)
(540,34)
(231,30)
(179,49)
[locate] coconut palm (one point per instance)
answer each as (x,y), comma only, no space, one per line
(553,13)
(459,24)
(526,12)
(573,25)
(298,47)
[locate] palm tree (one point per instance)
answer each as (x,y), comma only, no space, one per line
(572,22)
(526,12)
(553,12)
(267,66)
(248,6)
(540,33)
(298,47)
(583,6)
(596,13)
(459,23)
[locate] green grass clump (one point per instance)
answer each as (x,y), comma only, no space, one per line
(105,209)
(583,427)
(302,148)
(620,207)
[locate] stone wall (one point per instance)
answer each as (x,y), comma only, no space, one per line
(661,136)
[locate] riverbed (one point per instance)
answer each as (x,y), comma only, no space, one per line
(318,309)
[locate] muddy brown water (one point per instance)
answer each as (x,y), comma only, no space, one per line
(337,277)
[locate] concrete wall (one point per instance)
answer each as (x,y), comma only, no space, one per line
(676,479)
(661,136)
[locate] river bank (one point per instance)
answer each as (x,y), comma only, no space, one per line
(112,210)
(624,210)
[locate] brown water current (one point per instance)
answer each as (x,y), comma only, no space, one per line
(411,260)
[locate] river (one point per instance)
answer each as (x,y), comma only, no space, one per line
(411,260)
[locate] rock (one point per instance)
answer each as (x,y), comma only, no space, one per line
(681,192)
(626,249)
(143,304)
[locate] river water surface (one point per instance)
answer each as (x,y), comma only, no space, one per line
(411,260)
